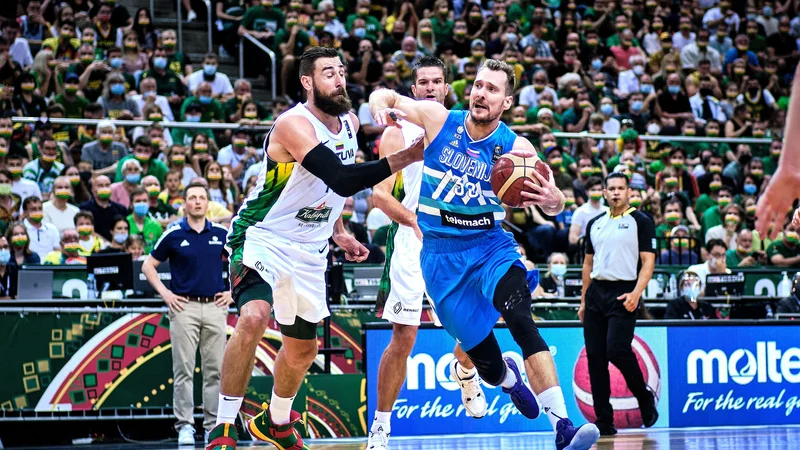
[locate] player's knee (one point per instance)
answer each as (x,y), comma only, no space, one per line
(525,333)
(403,338)
(253,320)
(488,360)
(301,354)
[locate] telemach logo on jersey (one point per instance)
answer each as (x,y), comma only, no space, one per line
(314,216)
(465,222)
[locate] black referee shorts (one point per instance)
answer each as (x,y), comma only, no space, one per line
(601,297)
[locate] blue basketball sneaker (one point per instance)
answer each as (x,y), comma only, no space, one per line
(521,396)
(570,438)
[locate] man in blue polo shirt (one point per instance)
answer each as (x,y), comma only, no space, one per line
(198,300)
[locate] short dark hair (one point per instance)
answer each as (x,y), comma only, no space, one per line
(85,214)
(311,55)
(144,141)
(428,61)
(676,150)
(728,188)
(592,182)
(615,175)
(715,243)
(93,108)
(138,191)
(196,185)
(501,66)
(27,202)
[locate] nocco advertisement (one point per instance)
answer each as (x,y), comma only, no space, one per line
(430,402)
(703,375)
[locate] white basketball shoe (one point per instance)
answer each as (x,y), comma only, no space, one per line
(471,392)
(378,437)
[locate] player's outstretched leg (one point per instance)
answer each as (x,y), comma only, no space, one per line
(498,372)
(513,299)
(463,371)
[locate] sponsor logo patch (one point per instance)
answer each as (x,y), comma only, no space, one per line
(472,222)
(320,214)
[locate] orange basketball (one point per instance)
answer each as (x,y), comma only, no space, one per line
(509,174)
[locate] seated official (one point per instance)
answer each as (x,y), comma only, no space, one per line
(688,304)
(716,263)
(556,269)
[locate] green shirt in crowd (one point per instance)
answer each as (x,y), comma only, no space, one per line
(150,232)
(155,168)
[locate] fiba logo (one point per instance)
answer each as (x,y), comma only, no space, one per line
(626,407)
(742,366)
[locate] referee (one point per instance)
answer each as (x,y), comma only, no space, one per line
(198,306)
(620,257)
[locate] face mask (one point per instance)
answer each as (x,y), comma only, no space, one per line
(519,121)
(556,162)
(48,158)
(792,237)
(240,143)
(5,256)
(19,241)
(289,24)
(460,33)
(178,159)
(723,203)
(638,70)
(674,89)
(160,62)
(72,247)
(71,89)
(360,32)
(193,119)
(595,196)
(558,270)
(784,29)
(599,84)
(475,15)
(715,169)
(510,37)
(141,209)
(133,178)
(142,158)
(390,76)
(251,114)
(5,189)
(569,203)
(646,89)
(6,133)
(410,55)
(319,26)
(635,202)
(117,89)
(677,165)
(587,172)
(689,132)
(595,152)
(63,194)
(152,191)
(155,118)
(204,99)
(120,238)
(106,139)
(691,293)
(758,173)
(85,230)
(672,217)
(758,134)
(715,186)
(750,189)
(731,219)
(36,217)
(751,211)
(545,104)
(606,109)
(130,46)
(347,215)
(671,182)
(597,64)
(214,176)
(712,133)
(477,54)
(201,147)
(776,153)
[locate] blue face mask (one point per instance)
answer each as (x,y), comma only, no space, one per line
(5,256)
(597,64)
(674,89)
(750,189)
(767,11)
(160,62)
(204,99)
(607,109)
(141,209)
(360,32)
(209,69)
(120,238)
(637,105)
(558,270)
(117,89)
(691,293)
(133,178)
(115,63)
(193,119)
(646,89)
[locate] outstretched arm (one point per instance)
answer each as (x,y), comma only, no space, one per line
(429,115)
(294,139)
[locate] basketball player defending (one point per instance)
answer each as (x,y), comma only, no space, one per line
(402,285)
(279,243)
(471,267)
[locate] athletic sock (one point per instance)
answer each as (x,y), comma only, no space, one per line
(280,408)
(384,419)
(552,400)
(510,379)
(463,373)
(228,408)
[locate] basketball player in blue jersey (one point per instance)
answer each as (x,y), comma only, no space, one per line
(471,266)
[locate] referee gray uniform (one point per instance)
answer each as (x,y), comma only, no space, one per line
(615,243)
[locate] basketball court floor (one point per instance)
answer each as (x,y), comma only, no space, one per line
(740,438)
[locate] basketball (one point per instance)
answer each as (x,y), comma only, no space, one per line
(626,407)
(509,174)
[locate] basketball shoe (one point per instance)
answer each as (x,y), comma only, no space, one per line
(222,436)
(521,396)
(285,437)
(471,392)
(570,438)
(378,437)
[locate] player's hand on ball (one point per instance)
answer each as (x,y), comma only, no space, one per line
(353,250)
(522,153)
(545,195)
(388,117)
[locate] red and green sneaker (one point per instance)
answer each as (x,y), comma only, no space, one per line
(222,437)
(285,437)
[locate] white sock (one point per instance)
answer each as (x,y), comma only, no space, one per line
(382,418)
(463,373)
(552,401)
(510,380)
(280,408)
(228,409)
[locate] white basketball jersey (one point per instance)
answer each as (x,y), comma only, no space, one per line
(409,180)
(288,200)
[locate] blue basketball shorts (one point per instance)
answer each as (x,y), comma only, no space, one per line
(461,275)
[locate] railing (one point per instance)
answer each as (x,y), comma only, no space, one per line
(263,48)
(145,123)
(180,22)
(646,137)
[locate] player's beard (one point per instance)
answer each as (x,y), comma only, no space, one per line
(488,119)
(335,104)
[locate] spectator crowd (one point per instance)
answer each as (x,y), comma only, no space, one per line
(649,71)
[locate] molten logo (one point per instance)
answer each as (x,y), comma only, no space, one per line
(768,364)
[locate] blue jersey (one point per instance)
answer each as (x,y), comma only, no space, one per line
(456,198)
